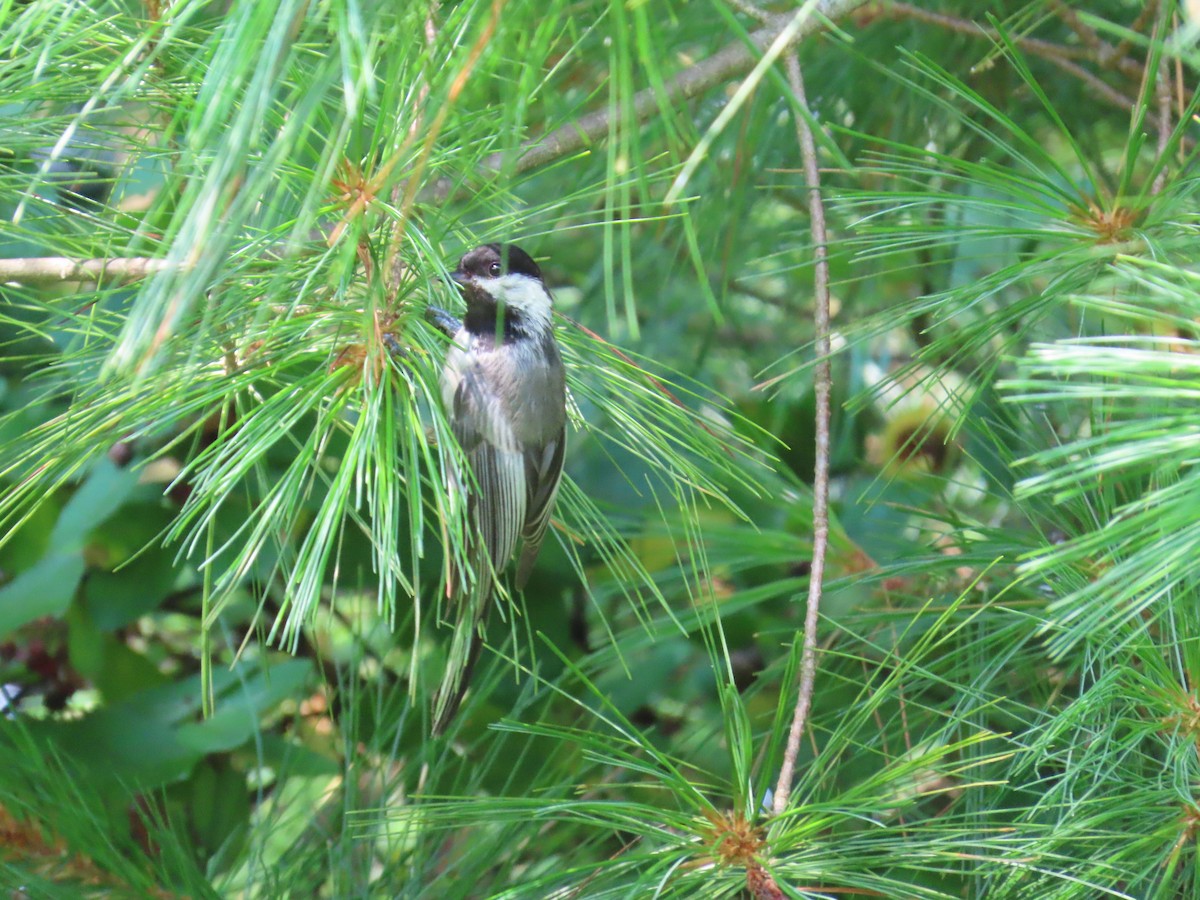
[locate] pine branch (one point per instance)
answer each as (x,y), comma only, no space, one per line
(732,60)
(823,388)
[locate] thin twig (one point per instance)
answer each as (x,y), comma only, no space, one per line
(1101,88)
(40,270)
(1180,108)
(1103,52)
(395,262)
(823,388)
(1090,37)
(972,28)
(1053,53)
(1162,98)
(1121,51)
(461,78)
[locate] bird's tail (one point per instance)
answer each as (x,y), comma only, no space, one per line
(455,683)
(465,648)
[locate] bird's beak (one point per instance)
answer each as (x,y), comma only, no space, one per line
(460,278)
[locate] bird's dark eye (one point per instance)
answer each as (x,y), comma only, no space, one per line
(494,270)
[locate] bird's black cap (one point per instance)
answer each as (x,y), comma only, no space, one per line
(490,260)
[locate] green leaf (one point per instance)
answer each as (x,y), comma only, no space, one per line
(217,805)
(44,590)
(100,495)
(291,759)
(242,704)
(116,598)
(122,745)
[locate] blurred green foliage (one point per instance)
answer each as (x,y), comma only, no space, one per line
(224,517)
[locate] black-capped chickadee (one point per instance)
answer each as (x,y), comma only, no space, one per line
(505,398)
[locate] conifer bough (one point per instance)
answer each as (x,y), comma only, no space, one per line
(730,61)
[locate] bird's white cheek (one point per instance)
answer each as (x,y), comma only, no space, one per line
(524,295)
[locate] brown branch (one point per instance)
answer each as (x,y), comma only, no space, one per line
(41,270)
(970,28)
(758,15)
(1103,52)
(1102,89)
(1090,37)
(1060,56)
(732,60)
(1121,51)
(823,387)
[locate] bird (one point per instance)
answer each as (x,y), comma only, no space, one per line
(504,393)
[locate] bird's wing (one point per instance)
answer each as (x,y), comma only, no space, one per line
(498,500)
(543,472)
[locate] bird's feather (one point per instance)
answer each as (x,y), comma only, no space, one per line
(496,504)
(543,472)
